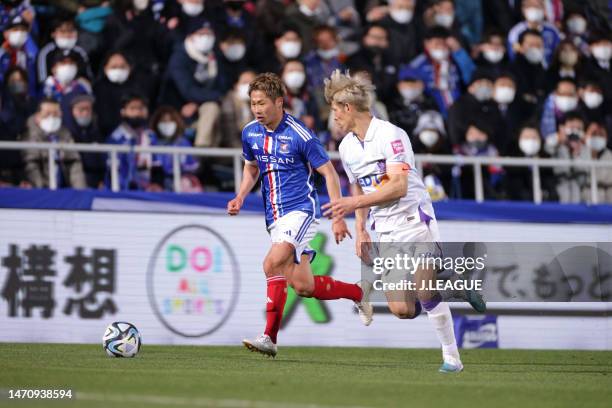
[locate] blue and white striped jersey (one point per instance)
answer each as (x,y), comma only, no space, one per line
(286,158)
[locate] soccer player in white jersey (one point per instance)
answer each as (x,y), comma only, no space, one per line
(283,153)
(378,159)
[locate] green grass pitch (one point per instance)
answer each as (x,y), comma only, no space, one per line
(301,377)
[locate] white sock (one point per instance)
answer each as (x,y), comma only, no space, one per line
(442,321)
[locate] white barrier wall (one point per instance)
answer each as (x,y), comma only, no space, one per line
(197,279)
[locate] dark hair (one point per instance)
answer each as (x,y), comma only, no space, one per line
(437,32)
(270,84)
(528,32)
(12,70)
(375,25)
(46,99)
(176,117)
(590,82)
(573,115)
(233,34)
(490,33)
(133,96)
(57,23)
(323,28)
(567,79)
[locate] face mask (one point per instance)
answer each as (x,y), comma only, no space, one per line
(141,5)
(565,103)
(306,10)
(17,38)
(592,99)
(402,16)
(242,92)
(597,143)
(135,123)
(576,25)
(478,144)
(118,75)
(204,42)
(375,49)
(444,20)
(504,94)
(328,54)
(530,147)
(290,49)
(235,52)
(17,87)
(65,73)
(602,52)
(439,54)
(534,15)
(429,137)
(568,58)
(50,124)
(294,80)
(410,94)
(493,56)
(66,43)
(534,55)
(167,129)
(193,9)
(550,143)
(83,121)
(483,93)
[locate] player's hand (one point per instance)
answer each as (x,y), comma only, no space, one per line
(363,247)
(340,207)
(233,207)
(340,230)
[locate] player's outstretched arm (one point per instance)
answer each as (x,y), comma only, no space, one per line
(250,174)
(332,182)
(395,188)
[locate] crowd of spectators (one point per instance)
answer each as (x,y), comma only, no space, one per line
(520,78)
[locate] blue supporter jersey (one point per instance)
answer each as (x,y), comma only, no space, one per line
(287,159)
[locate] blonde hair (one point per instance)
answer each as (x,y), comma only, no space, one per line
(356,90)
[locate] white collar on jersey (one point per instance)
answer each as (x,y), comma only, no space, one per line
(369,136)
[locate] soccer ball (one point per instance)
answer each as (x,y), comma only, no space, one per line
(121,339)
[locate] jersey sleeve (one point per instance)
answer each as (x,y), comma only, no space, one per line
(314,152)
(396,148)
(247,152)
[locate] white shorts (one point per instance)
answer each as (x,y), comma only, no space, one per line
(296,228)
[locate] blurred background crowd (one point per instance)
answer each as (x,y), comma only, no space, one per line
(520,78)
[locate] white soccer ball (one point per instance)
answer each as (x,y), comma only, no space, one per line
(121,339)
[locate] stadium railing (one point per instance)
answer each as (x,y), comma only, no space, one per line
(236,154)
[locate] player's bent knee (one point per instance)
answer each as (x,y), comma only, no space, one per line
(302,289)
(402,311)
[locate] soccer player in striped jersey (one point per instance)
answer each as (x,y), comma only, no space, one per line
(284,154)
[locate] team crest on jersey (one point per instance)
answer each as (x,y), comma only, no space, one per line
(382,166)
(283,148)
(397,146)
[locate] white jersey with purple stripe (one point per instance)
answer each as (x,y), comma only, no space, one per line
(286,159)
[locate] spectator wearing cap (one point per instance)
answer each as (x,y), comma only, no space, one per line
(518,181)
(46,126)
(528,69)
(534,13)
(511,112)
(429,137)
(17,51)
(592,106)
(410,101)
(562,100)
(404,33)
(599,66)
(373,58)
(596,141)
(195,83)
(444,67)
(11,9)
(17,106)
(63,83)
(116,80)
(64,38)
(236,110)
(169,129)
(133,29)
(134,168)
(475,106)
(491,53)
(83,126)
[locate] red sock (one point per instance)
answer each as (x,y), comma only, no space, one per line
(326,288)
(275,303)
